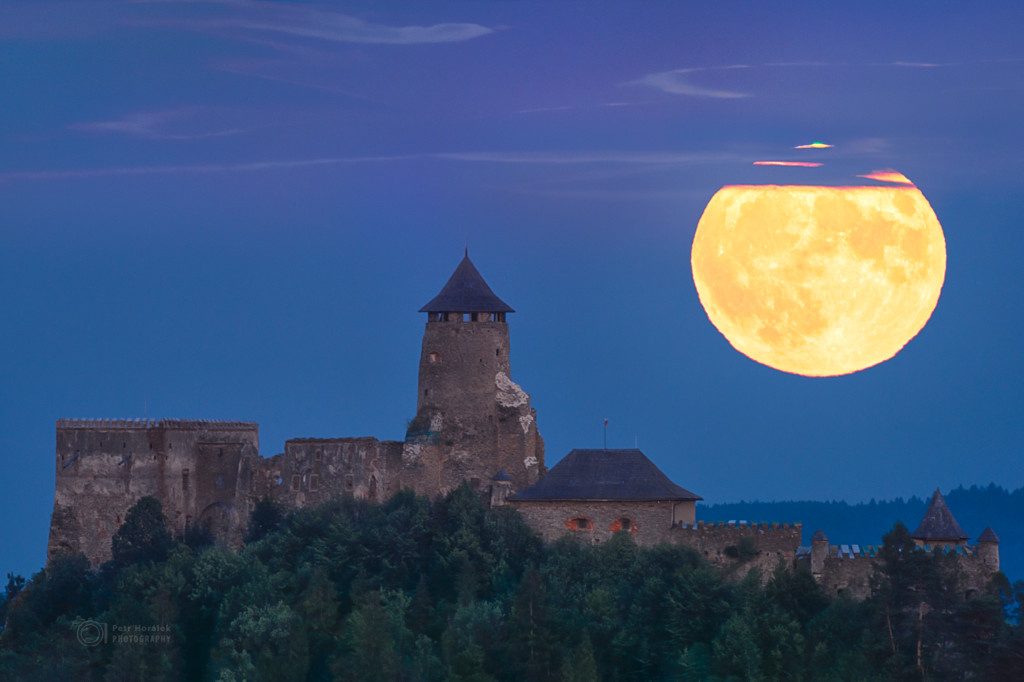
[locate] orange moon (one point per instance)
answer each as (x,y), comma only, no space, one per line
(818,281)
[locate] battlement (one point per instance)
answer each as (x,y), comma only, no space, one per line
(172,424)
(739,525)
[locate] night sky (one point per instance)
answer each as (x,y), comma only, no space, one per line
(233,210)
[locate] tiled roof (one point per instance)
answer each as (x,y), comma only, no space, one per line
(938,522)
(605,475)
(466,292)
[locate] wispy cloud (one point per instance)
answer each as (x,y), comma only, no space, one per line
(347,29)
(537,157)
(299,21)
(562,157)
(678,82)
(245,167)
(156,125)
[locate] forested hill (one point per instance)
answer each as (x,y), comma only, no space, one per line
(865,523)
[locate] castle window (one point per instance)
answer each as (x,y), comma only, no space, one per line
(474,317)
(220,452)
(349,484)
(319,455)
(579,523)
(184,479)
(433,357)
(296,482)
(625,524)
(314,482)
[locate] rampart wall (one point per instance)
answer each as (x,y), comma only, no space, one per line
(201,471)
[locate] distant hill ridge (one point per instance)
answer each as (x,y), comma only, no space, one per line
(865,522)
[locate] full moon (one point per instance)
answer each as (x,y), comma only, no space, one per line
(818,281)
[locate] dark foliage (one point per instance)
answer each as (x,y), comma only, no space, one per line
(420,591)
(143,536)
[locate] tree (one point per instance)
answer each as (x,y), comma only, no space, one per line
(266,517)
(143,536)
(15,583)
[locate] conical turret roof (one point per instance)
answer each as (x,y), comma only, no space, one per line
(938,522)
(988,535)
(466,292)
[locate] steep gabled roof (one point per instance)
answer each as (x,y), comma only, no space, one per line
(605,475)
(466,292)
(938,522)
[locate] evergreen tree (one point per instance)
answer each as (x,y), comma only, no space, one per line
(143,536)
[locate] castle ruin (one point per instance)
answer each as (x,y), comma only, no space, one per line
(473,424)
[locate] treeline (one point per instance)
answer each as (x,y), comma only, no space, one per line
(975,508)
(417,591)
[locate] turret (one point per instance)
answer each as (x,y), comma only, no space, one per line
(988,548)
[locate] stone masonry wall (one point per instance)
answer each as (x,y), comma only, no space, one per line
(313,470)
(472,420)
(649,522)
(200,471)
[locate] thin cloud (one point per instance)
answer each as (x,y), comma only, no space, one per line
(306,22)
(536,110)
(154,125)
(677,82)
(549,158)
(578,157)
(191,169)
(348,29)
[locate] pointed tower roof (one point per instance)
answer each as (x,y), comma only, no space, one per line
(466,292)
(605,475)
(938,522)
(988,535)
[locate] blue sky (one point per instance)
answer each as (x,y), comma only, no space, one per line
(233,210)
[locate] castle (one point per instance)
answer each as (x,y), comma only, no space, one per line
(473,424)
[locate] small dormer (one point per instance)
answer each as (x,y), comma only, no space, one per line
(466,298)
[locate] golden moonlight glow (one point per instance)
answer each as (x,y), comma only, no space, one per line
(819,281)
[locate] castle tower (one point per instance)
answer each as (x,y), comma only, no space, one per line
(939,527)
(471,419)
(988,548)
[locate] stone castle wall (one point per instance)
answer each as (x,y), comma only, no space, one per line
(313,470)
(201,471)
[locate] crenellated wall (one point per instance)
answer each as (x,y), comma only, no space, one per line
(201,471)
